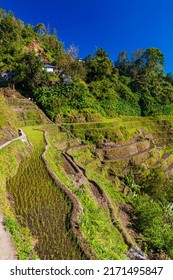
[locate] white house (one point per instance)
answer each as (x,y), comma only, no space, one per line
(49,68)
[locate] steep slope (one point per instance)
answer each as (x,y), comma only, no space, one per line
(8,121)
(120,171)
(24,111)
(132,159)
(10,157)
(18,169)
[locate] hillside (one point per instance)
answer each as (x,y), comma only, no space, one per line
(8,122)
(121,184)
(93,177)
(89,89)
(133,171)
(21,111)
(15,111)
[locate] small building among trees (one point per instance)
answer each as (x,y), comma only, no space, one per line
(49,68)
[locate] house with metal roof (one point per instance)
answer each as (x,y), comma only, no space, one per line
(49,68)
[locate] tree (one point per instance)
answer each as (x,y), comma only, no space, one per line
(2,14)
(41,29)
(73,51)
(98,66)
(29,74)
(169,78)
(53,47)
(10,33)
(122,59)
(137,63)
(122,63)
(154,60)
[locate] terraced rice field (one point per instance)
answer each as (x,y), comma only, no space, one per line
(42,206)
(97,221)
(140,148)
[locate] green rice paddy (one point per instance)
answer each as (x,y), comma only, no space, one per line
(42,206)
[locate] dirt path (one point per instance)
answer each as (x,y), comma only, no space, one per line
(22,137)
(7,250)
(128,157)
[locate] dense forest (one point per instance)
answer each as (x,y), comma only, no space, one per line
(97,87)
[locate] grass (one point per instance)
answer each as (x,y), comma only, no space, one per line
(98,173)
(159,128)
(118,129)
(45,209)
(8,120)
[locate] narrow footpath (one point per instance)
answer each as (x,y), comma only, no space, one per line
(22,137)
(7,249)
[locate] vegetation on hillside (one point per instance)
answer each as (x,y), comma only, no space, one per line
(98,88)
(95,221)
(8,121)
(147,186)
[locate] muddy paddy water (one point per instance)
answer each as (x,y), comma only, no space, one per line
(42,206)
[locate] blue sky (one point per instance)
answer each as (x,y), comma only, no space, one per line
(114,25)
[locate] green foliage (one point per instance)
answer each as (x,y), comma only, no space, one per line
(98,66)
(167,110)
(10,32)
(30,71)
(135,86)
(157,185)
(53,46)
(23,245)
(154,60)
(64,100)
(120,107)
(23,47)
(155,222)
(103,89)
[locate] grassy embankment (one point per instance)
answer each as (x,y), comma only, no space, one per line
(10,158)
(144,174)
(8,121)
(95,222)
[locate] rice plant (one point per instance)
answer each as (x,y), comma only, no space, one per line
(42,206)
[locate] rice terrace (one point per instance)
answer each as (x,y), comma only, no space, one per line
(86,150)
(74,200)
